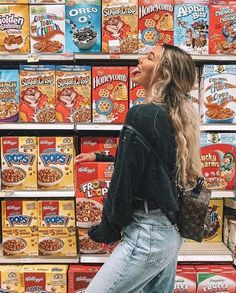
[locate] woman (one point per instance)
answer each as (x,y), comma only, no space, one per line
(141,199)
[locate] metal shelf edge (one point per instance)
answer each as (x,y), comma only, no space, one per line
(218,127)
(98,126)
(32,126)
(222,193)
(36,193)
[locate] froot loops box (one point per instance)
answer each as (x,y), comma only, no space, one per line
(105,145)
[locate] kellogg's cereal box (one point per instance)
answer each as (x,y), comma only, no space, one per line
(47,28)
(19,213)
(10,278)
(136,91)
(120,26)
(73,94)
(37,93)
(19,163)
(219,94)
(222,33)
(9,95)
(110,94)
(186,279)
(14,29)
(55,163)
(191,25)
(104,145)
(218,155)
(156,24)
(83,26)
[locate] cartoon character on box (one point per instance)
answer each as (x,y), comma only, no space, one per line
(229,31)
(115,27)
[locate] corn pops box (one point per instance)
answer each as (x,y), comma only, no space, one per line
(10,278)
(19,163)
(73,94)
(222,34)
(9,95)
(37,93)
(219,94)
(186,279)
(55,163)
(110,94)
(136,91)
(83,26)
(156,24)
(14,29)
(191,28)
(104,145)
(19,213)
(218,154)
(120,26)
(47,28)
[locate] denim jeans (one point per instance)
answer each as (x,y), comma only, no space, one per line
(145,260)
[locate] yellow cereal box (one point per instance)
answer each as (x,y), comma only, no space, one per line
(20,241)
(14,29)
(19,213)
(120,26)
(10,278)
(19,163)
(57,241)
(55,163)
(37,93)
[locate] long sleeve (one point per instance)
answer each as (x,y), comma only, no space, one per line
(104,158)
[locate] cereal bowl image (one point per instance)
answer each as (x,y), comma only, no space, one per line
(48,246)
(228,118)
(48,46)
(88,212)
(85,38)
(14,245)
(49,176)
(87,245)
(215,183)
(13,176)
(45,115)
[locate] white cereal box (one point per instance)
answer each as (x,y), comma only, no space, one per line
(10,278)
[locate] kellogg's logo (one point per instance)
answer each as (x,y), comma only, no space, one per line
(86,170)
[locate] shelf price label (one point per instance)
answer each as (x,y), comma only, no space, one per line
(32,58)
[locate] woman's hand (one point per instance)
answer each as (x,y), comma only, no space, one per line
(85,157)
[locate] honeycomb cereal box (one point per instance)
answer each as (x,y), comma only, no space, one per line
(110,94)
(9,95)
(136,91)
(104,145)
(79,277)
(19,163)
(73,94)
(83,26)
(19,213)
(218,155)
(10,278)
(120,26)
(186,279)
(37,93)
(156,24)
(219,94)
(56,213)
(47,28)
(191,27)
(14,29)
(55,163)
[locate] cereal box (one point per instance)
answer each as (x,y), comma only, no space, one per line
(73,94)
(9,95)
(219,94)
(19,213)
(232,236)
(57,241)
(37,93)
(79,277)
(156,24)
(110,94)
(55,163)
(13,1)
(20,241)
(120,26)
(218,155)
(136,91)
(47,28)
(10,278)
(194,94)
(191,1)
(104,145)
(191,25)
(19,163)
(46,1)
(14,29)
(186,279)
(83,26)
(56,213)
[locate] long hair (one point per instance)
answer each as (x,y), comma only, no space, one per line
(173,79)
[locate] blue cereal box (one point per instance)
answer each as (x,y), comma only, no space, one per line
(191,28)
(9,95)
(83,26)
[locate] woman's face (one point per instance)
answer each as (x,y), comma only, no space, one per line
(142,74)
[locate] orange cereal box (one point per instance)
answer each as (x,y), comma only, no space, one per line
(73,93)
(156,23)
(222,32)
(136,91)
(14,29)
(19,163)
(10,278)
(110,94)
(104,145)
(55,163)
(120,26)
(37,93)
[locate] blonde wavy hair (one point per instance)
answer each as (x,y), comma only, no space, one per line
(173,79)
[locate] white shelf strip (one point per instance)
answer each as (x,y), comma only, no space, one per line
(40,126)
(230,203)
(93,126)
(218,127)
(37,193)
(222,193)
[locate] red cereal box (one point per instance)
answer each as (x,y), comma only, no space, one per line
(222,31)
(156,24)
(136,91)
(110,94)
(186,279)
(105,145)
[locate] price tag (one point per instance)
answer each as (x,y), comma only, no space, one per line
(33,58)
(114,56)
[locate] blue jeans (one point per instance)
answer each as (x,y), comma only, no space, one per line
(145,261)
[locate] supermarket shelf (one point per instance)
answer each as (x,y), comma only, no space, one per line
(218,127)
(34,57)
(37,193)
(230,203)
(93,126)
(222,193)
(36,126)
